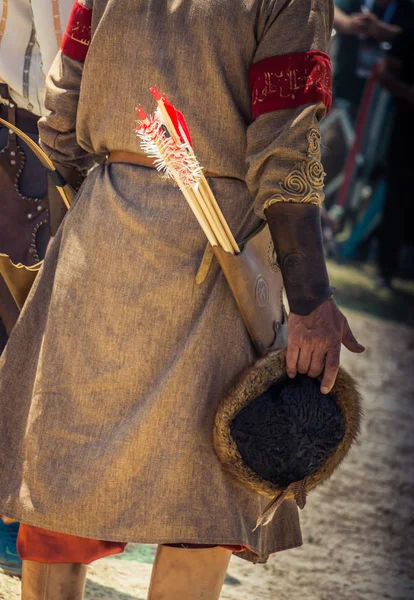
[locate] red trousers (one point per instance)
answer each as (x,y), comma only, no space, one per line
(40,545)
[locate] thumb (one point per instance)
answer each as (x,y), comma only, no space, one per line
(349,340)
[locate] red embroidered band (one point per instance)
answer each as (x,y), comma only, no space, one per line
(289,81)
(77,36)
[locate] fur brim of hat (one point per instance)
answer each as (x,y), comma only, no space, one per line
(253,382)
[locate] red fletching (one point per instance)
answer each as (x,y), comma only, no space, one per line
(184,126)
(178,120)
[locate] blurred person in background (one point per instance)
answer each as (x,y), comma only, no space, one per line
(362,26)
(396,228)
(30,36)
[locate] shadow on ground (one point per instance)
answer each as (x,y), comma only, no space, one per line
(102,591)
(355,289)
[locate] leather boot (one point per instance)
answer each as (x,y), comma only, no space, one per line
(189,574)
(45,581)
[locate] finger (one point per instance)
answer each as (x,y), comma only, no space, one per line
(292,355)
(316,365)
(331,371)
(349,340)
(304,361)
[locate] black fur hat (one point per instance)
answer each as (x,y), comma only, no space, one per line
(281,437)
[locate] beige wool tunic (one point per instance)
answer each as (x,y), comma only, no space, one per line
(110,380)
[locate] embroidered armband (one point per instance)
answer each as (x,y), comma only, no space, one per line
(290,81)
(78,33)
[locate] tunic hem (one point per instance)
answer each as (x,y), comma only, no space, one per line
(252,554)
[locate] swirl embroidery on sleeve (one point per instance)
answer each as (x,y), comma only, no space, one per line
(304,183)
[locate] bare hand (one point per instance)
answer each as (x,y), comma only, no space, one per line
(314,343)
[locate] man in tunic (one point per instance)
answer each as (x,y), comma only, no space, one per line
(112,436)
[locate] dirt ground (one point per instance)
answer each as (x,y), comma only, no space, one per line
(358,528)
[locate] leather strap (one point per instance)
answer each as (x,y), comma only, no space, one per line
(205,265)
(24,119)
(135,158)
(10,112)
(142,160)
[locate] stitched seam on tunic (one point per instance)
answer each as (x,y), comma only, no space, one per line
(154,540)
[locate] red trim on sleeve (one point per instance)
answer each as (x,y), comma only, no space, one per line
(290,81)
(77,36)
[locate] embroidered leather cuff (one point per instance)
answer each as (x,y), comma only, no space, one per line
(297,237)
(289,81)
